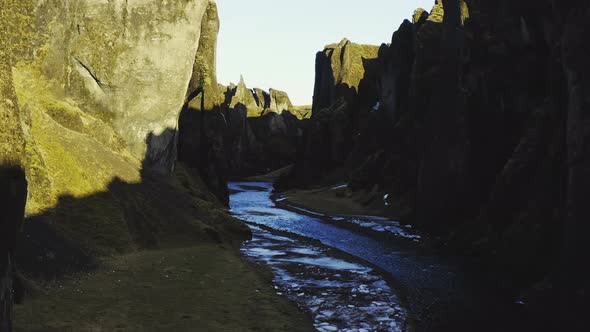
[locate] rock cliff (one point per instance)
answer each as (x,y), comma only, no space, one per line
(100,86)
(345,84)
(127,62)
(477,136)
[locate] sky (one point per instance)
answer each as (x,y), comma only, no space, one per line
(273,43)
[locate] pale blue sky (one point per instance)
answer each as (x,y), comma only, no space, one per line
(273,43)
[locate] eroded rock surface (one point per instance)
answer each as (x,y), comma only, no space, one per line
(127,61)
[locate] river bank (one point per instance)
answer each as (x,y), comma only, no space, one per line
(207,287)
(335,199)
(444,291)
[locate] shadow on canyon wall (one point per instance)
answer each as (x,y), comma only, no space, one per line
(162,210)
(223,142)
(201,144)
(13,194)
(328,140)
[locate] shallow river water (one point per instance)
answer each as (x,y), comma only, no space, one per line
(345,278)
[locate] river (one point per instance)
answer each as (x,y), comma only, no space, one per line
(349,279)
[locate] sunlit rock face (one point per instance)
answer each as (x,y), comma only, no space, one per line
(128,61)
(258,102)
(340,71)
(98,82)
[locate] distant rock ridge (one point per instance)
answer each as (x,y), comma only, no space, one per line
(259,102)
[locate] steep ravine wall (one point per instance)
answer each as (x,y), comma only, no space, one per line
(479,138)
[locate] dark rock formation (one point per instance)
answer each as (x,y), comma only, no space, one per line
(233,131)
(202,124)
(264,129)
(345,89)
(479,137)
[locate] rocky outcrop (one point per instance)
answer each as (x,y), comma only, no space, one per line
(479,138)
(345,86)
(258,102)
(99,82)
(126,62)
(264,129)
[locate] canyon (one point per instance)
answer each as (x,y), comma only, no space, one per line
(470,128)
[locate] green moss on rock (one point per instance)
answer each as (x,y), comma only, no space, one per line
(438,12)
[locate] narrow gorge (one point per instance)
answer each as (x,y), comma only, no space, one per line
(436,182)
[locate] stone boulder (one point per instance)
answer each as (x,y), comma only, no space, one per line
(128,62)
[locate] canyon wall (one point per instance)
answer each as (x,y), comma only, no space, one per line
(478,136)
(100,86)
(344,85)
(112,73)
(127,62)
